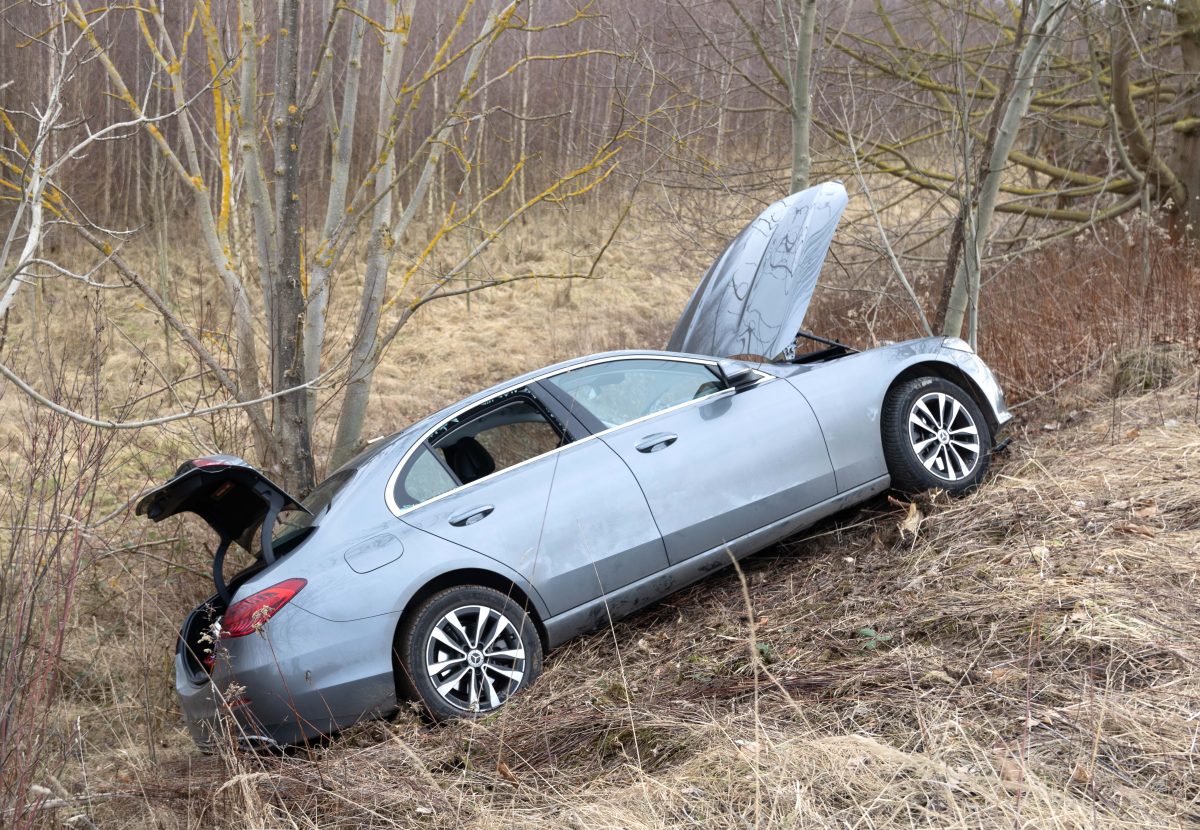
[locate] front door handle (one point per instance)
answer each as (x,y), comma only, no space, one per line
(471,516)
(657,441)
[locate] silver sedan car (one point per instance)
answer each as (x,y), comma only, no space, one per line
(446,560)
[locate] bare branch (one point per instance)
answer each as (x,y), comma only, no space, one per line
(149,422)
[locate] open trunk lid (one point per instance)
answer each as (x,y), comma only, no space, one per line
(233,497)
(753,299)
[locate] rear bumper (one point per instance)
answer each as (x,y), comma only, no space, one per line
(298,679)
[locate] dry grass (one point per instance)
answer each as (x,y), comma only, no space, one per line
(1025,659)
(1033,663)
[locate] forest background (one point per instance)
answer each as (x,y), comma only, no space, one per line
(284,229)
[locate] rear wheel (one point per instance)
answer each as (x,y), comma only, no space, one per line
(466,650)
(934,435)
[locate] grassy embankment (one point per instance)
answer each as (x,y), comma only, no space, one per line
(1024,656)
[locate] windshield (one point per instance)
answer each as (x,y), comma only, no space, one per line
(293,525)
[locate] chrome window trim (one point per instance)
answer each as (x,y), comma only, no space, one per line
(390,492)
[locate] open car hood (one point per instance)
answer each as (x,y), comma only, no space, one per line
(753,299)
(225,491)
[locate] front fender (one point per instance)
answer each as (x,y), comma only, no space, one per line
(970,364)
(847,396)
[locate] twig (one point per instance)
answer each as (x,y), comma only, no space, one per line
(149,422)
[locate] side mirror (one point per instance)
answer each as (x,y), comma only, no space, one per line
(734,374)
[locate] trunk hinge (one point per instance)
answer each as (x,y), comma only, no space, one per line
(218,576)
(275,501)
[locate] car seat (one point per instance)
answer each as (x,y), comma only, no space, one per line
(468,459)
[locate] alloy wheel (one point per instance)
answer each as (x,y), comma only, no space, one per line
(943,436)
(475,658)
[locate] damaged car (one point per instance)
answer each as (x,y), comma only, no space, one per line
(442,564)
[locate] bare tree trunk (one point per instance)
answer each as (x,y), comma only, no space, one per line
(34,203)
(566,143)
(801,113)
(364,351)
(263,217)
(286,323)
(35,179)
(436,196)
(1142,150)
(522,124)
(342,127)
(726,83)
(379,251)
(109,147)
(964,294)
(162,245)
(965,204)
(1187,127)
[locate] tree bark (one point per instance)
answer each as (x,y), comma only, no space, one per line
(322,260)
(32,199)
(523,123)
(286,324)
(1141,145)
(261,214)
(964,294)
(365,350)
(964,206)
(1187,127)
(802,97)
(379,249)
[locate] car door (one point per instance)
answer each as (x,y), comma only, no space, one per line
(714,463)
(506,478)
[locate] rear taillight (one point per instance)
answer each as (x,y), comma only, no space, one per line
(249,614)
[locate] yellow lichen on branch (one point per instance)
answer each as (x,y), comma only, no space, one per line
(144,27)
(222,115)
(79,19)
(12,129)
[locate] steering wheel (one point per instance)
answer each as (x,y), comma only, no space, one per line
(665,399)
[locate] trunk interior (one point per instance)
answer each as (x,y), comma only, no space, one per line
(196,642)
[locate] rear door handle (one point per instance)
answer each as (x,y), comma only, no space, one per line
(657,441)
(471,516)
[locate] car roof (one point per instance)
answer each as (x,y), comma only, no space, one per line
(530,377)
(418,427)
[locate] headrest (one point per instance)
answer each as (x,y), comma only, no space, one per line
(469,460)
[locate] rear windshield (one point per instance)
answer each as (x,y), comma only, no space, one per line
(293,525)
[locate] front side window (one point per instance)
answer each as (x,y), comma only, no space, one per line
(619,391)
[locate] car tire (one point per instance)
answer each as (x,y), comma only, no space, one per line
(465,651)
(934,435)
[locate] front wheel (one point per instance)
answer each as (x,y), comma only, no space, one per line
(934,436)
(466,650)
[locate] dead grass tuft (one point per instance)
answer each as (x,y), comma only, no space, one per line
(1148,368)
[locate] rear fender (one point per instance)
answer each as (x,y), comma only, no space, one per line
(341,594)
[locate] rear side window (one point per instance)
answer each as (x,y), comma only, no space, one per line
(498,439)
(619,391)
(501,433)
(425,478)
